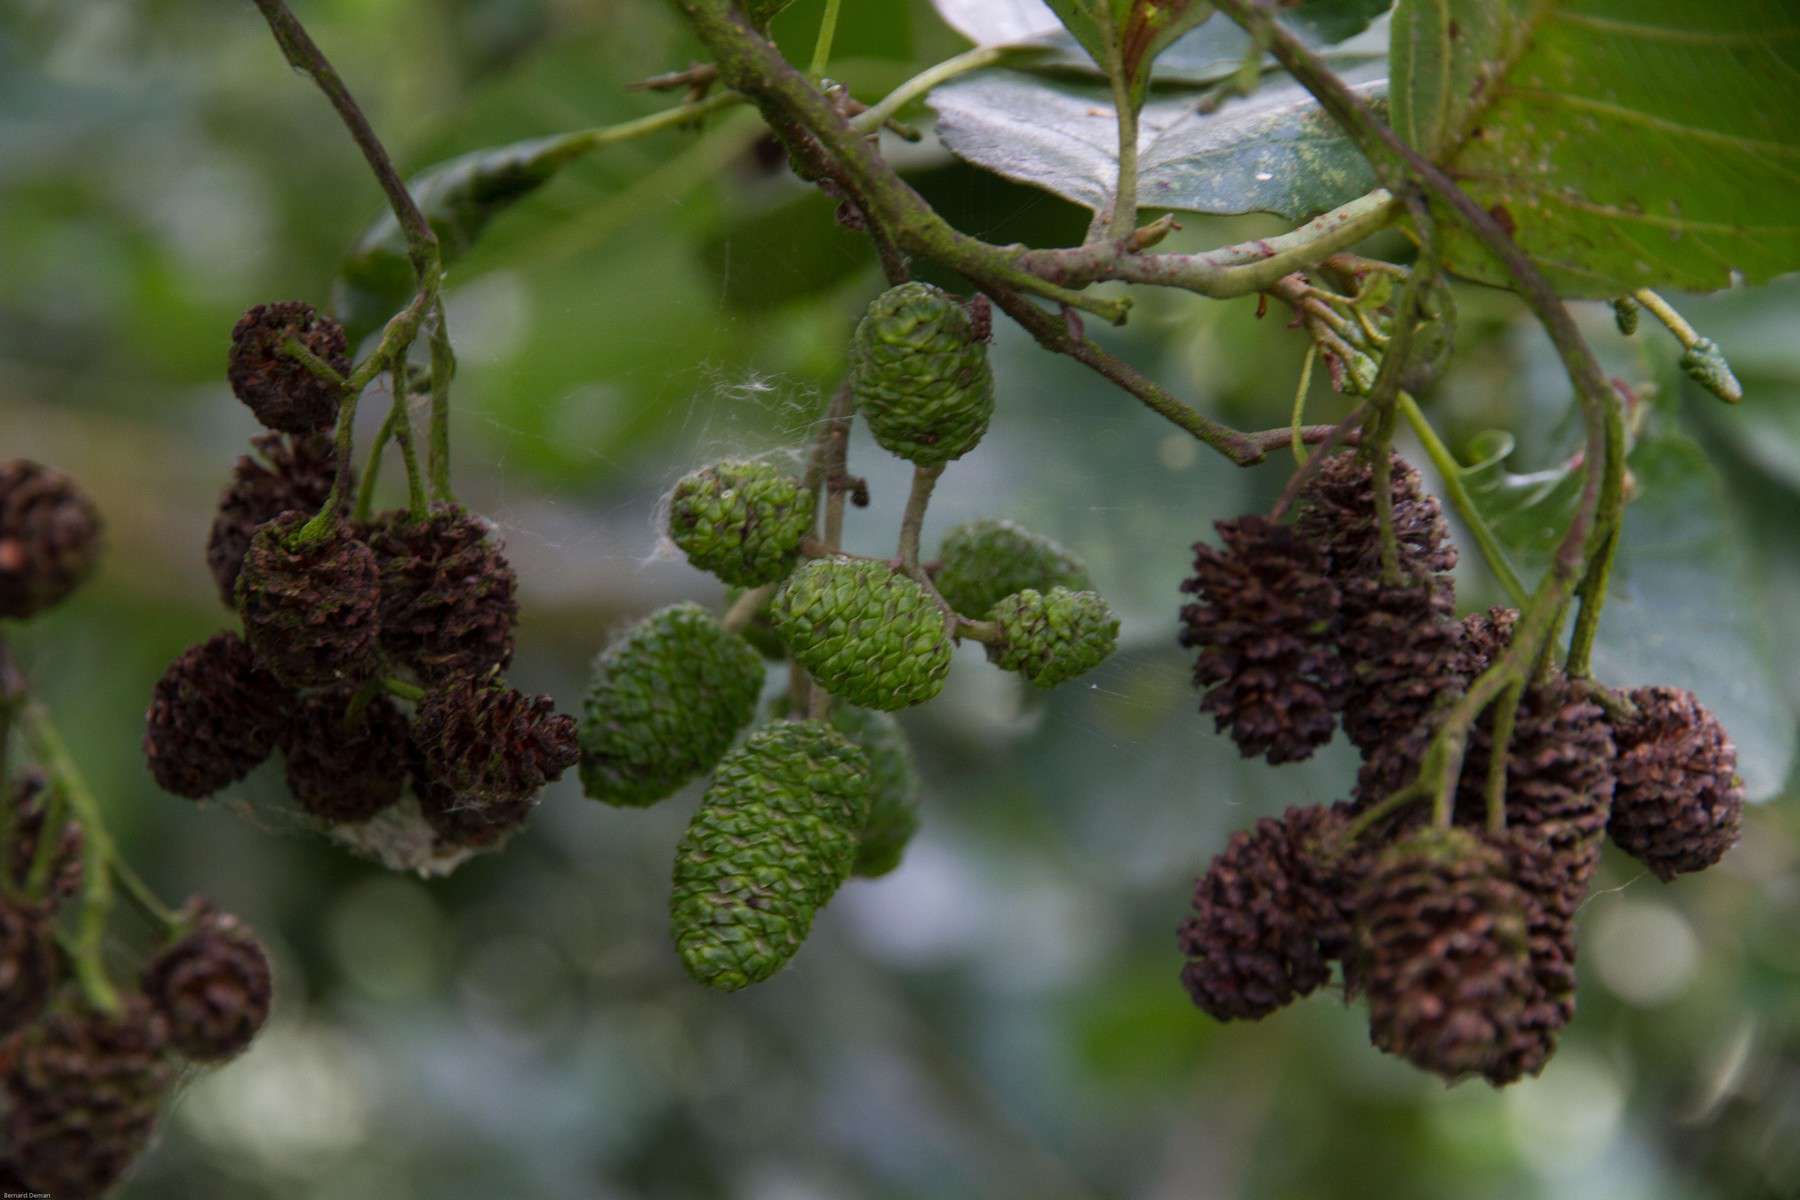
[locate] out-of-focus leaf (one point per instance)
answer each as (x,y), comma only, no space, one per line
(1215,47)
(1682,608)
(771,257)
(459,198)
(1274,151)
(1624,143)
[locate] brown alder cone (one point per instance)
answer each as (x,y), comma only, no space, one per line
(288,473)
(29,963)
(82,1092)
(1338,515)
(212,987)
(1443,952)
(447,603)
(483,752)
(1679,805)
(1269,914)
(1264,619)
(214,715)
(311,613)
(49,537)
(341,769)
(279,389)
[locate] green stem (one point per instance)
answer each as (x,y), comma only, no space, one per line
(1608,521)
(1065,336)
(1506,715)
(986,632)
(743,610)
(1450,472)
(371,474)
(43,855)
(326,519)
(147,901)
(889,106)
(403,689)
(296,350)
(912,522)
(1364,820)
(1123,219)
(98,853)
(302,53)
(1665,312)
(822,47)
(400,419)
(443,369)
(1299,414)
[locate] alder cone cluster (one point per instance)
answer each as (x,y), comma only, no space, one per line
(1461,940)
(335,618)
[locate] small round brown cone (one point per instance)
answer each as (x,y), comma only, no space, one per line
(49,537)
(311,612)
(1679,804)
(212,987)
(1269,914)
(447,602)
(288,473)
(282,391)
(1264,619)
(342,768)
(214,715)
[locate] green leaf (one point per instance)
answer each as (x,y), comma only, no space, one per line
(1681,609)
(1091,23)
(1273,151)
(459,198)
(1625,143)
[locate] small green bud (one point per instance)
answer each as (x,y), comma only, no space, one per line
(665,701)
(1053,637)
(741,520)
(775,836)
(920,375)
(866,633)
(1625,315)
(1705,364)
(982,562)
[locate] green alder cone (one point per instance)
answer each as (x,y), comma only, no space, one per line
(866,633)
(919,372)
(893,784)
(982,562)
(742,520)
(1051,637)
(664,703)
(775,837)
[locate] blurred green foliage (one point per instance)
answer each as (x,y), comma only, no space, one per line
(998,1018)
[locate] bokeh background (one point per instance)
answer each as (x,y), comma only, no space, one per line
(1000,1017)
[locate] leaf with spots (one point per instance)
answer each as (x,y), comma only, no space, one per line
(1273,151)
(1624,143)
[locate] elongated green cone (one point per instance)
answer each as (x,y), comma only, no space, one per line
(665,701)
(920,375)
(893,784)
(980,563)
(866,633)
(893,788)
(1050,638)
(741,520)
(774,838)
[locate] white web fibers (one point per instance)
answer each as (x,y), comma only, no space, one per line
(789,411)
